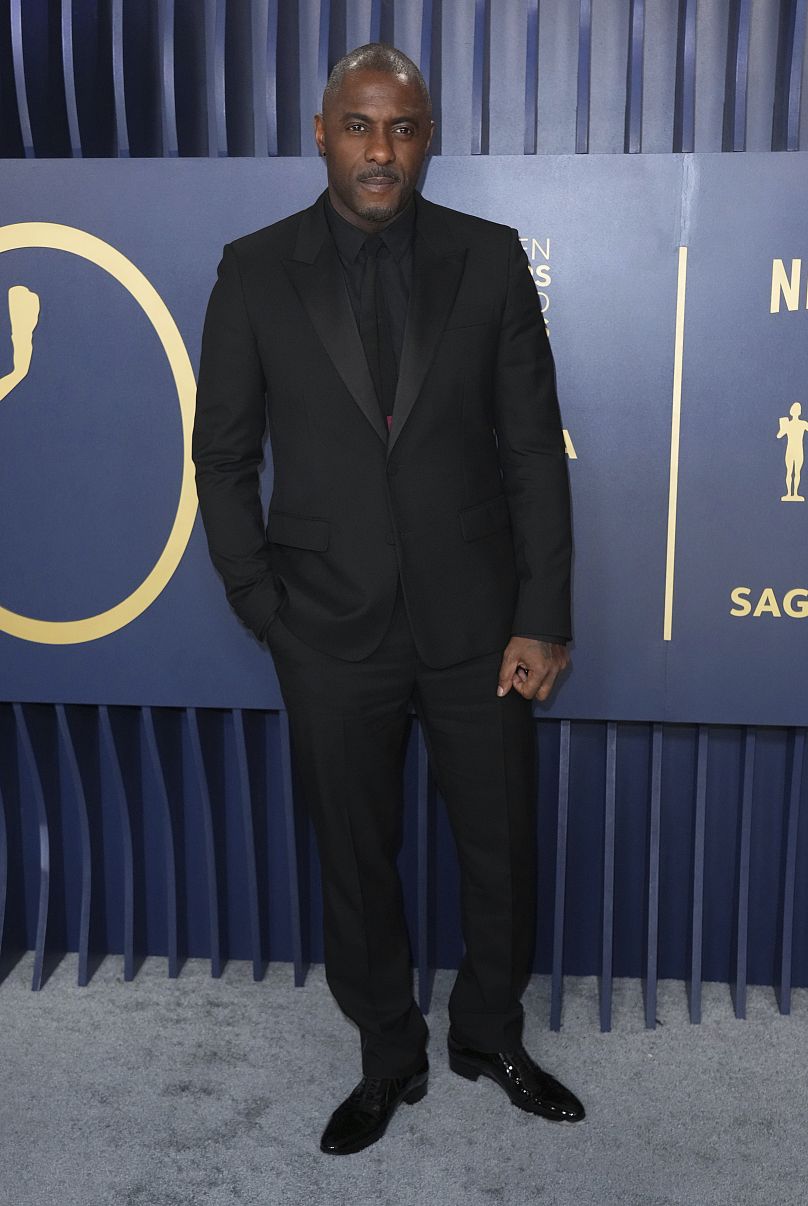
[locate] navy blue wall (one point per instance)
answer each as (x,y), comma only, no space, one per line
(670,852)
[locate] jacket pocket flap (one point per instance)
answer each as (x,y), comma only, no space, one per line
(469,316)
(298,531)
(485,518)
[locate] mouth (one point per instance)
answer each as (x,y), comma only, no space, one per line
(379,184)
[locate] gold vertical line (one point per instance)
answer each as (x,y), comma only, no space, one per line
(676,411)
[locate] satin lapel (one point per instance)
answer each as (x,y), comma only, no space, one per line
(436,277)
(316,274)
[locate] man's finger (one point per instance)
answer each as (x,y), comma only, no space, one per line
(538,684)
(507,673)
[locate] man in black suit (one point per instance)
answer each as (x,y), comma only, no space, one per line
(417,547)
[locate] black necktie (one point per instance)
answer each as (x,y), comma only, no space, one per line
(374,326)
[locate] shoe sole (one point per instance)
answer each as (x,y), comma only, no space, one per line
(469,1071)
(416,1094)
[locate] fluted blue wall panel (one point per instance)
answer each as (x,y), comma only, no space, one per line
(609,75)
(175,833)
(166,77)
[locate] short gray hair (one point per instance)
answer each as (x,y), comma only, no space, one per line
(375,56)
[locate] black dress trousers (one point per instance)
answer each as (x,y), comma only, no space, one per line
(348,722)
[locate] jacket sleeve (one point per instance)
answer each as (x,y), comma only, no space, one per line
(532,456)
(228,449)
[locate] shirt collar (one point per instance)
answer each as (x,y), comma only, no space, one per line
(350,240)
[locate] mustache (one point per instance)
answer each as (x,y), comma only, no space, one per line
(380,173)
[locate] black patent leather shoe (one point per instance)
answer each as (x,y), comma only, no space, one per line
(363,1117)
(527,1085)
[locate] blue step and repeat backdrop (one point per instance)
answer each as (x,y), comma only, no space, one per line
(676,298)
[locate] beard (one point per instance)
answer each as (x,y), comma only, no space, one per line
(379,213)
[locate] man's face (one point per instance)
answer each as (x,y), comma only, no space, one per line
(374,133)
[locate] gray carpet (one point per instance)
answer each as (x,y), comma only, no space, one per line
(214,1093)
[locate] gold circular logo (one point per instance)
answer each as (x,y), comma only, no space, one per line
(52,235)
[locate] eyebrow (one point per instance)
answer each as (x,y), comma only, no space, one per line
(412,121)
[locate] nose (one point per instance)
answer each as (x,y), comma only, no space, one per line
(379,148)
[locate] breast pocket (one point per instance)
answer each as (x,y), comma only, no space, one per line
(470,316)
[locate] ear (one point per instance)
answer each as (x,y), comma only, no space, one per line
(319,132)
(429,136)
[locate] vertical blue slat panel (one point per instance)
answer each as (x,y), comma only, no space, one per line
(118,87)
(762,74)
(607,940)
(737,76)
(558,79)
(609,73)
(797,122)
(652,920)
(407,19)
(424,56)
(582,105)
(28,759)
(168,105)
(68,754)
(457,60)
(742,892)
(659,76)
(507,63)
(261,68)
(203,795)
(109,754)
(684,118)
(712,30)
(790,96)
(214,77)
(251,867)
(271,97)
(697,877)
(17,934)
(292,856)
(238,62)
(557,978)
(20,85)
(530,144)
(481,78)
(358,21)
(169,850)
(313,17)
(264,76)
(431,64)
(793,792)
(68,71)
(634,78)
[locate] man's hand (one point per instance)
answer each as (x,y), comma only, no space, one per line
(531,667)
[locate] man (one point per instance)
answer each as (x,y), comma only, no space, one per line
(417,547)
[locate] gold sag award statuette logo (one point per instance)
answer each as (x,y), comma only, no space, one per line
(785,289)
(538,254)
(23,308)
(794,429)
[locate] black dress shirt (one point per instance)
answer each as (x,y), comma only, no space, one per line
(395,280)
(395,268)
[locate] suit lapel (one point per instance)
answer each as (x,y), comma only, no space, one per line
(316,274)
(437,269)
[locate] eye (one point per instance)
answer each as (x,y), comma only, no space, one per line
(407,131)
(356,127)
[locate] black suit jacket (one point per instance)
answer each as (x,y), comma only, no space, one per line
(467,499)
